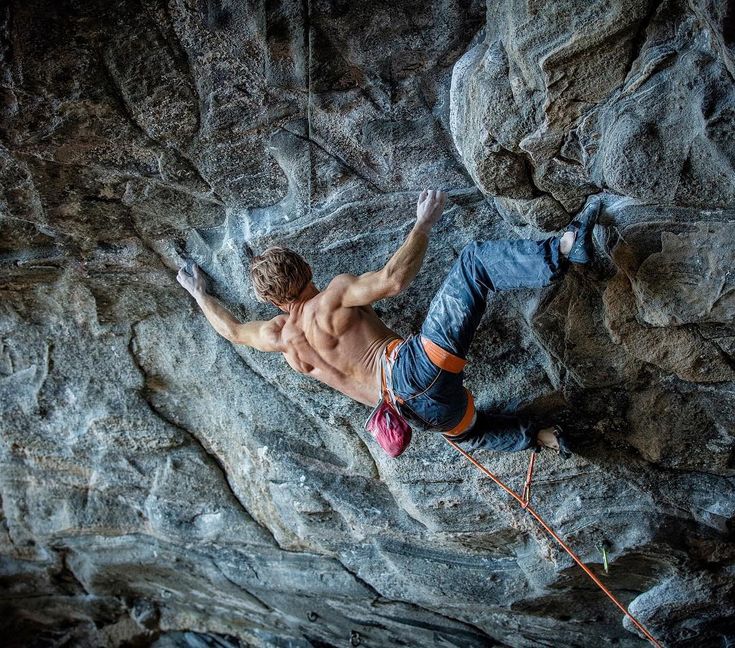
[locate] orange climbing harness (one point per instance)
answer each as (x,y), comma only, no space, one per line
(523,500)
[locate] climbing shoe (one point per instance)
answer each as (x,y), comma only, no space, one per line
(582,250)
(564,450)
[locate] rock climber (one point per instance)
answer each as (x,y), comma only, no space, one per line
(334,336)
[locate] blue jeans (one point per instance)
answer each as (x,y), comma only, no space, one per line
(427,375)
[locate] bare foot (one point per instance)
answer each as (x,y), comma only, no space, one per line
(547,438)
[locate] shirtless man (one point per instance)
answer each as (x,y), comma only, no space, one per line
(335,336)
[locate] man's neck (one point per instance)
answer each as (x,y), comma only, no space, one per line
(304,296)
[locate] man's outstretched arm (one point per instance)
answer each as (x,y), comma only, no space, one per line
(261,335)
(404,265)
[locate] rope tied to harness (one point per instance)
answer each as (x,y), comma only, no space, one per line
(523,500)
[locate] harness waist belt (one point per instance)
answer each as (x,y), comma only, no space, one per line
(386,364)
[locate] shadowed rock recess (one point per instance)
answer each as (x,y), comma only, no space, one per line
(160,486)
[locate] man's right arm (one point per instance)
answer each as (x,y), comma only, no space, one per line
(403,266)
(261,335)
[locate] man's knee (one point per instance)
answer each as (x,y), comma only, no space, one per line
(470,248)
(469,252)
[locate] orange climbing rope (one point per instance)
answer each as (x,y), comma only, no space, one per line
(524,502)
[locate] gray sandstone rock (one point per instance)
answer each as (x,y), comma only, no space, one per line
(160,486)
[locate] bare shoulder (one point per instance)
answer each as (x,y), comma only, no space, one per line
(336,289)
(276,324)
(340,283)
(271,333)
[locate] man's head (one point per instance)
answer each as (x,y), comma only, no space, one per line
(279,275)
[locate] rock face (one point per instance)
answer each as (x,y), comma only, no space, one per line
(160,486)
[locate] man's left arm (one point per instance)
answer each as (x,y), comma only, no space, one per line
(261,335)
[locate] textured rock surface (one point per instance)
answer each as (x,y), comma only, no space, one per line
(159,486)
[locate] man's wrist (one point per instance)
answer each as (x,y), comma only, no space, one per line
(423,228)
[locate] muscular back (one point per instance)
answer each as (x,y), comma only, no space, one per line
(338,345)
(334,336)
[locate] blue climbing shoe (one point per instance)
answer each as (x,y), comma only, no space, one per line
(582,250)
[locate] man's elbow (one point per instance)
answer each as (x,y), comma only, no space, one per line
(395,283)
(393,288)
(233,334)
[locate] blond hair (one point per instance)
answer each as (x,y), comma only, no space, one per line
(279,275)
